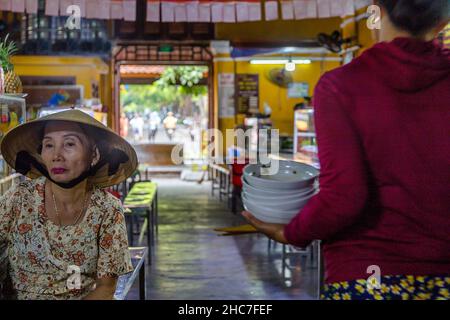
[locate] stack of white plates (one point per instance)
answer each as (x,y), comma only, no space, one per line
(279,197)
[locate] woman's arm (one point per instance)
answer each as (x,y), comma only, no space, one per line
(104,289)
(114,256)
(8,213)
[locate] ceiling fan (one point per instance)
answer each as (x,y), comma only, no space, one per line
(334,41)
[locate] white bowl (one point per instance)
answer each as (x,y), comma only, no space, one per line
(269,214)
(291,175)
(279,203)
(277,195)
(266,216)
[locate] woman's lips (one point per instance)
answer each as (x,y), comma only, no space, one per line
(58,170)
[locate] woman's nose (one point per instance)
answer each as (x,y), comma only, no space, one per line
(57,154)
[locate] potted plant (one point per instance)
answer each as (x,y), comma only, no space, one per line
(12,83)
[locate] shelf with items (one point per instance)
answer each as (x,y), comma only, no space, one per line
(48,99)
(12,113)
(99,116)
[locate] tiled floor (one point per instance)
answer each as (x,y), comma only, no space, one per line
(192,262)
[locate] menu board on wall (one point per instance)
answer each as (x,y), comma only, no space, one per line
(248,93)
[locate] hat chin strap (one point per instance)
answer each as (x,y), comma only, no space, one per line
(24,161)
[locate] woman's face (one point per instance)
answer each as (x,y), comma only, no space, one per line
(66,150)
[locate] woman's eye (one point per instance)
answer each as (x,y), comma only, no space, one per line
(70,144)
(48,145)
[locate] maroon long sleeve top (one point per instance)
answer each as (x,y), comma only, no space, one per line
(383,133)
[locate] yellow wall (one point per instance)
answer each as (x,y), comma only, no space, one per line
(86,70)
(276,31)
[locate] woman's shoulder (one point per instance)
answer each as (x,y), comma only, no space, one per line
(106,199)
(26,186)
(107,207)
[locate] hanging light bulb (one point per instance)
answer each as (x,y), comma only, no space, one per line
(290,66)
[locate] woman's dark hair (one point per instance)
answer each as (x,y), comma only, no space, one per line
(416,16)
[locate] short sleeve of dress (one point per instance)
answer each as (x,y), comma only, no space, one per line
(114,256)
(8,213)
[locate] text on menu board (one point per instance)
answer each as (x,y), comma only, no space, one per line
(248,93)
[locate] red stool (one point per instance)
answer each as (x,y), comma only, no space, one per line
(236,179)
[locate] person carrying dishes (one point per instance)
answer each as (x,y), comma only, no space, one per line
(61,235)
(383,123)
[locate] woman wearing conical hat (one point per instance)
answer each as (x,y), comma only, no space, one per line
(61,235)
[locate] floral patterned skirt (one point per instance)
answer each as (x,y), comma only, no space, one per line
(391,288)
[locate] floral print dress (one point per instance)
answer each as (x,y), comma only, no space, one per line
(44,261)
(391,288)
(398,287)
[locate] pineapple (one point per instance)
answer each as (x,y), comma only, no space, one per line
(12,83)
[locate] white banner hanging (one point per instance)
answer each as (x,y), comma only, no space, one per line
(323,8)
(63,5)
(82,5)
(129,10)
(254,10)
(93,9)
(104,9)
(348,8)
(167,11)
(300,9)
(229,12)
(52,7)
(336,8)
(18,6)
(31,6)
(216,11)
(116,9)
(153,13)
(5,5)
(311,9)
(242,11)
(180,12)
(192,11)
(287,10)
(204,11)
(271,10)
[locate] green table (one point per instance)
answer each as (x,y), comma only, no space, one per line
(142,200)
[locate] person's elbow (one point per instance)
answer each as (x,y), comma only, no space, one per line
(346,202)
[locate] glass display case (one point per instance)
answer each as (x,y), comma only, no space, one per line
(12,113)
(305,144)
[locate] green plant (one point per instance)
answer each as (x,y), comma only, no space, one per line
(7,49)
(178,88)
(186,77)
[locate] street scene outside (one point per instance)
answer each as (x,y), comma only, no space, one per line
(171,110)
